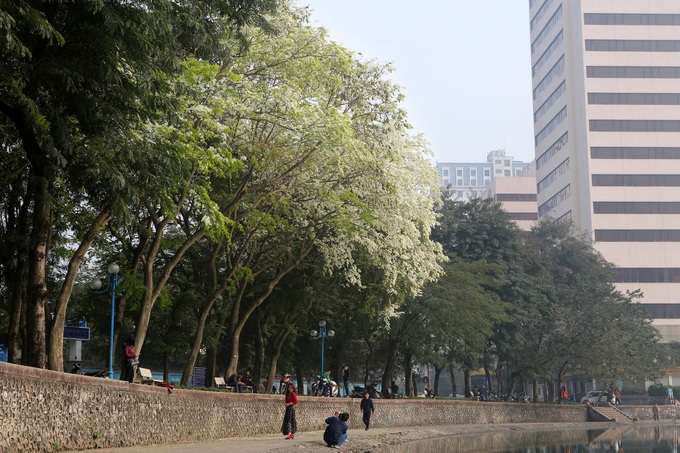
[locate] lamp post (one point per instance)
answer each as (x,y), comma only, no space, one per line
(322,333)
(111,284)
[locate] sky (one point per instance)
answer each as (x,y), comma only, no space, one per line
(463,65)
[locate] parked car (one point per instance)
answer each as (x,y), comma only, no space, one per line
(593,396)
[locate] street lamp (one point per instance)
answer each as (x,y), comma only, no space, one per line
(111,284)
(322,334)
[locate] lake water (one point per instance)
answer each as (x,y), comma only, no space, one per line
(622,439)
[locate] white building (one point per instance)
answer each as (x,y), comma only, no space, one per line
(606,86)
(466,180)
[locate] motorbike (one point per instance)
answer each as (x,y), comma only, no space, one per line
(358,391)
(324,387)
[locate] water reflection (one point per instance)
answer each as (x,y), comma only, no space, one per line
(623,439)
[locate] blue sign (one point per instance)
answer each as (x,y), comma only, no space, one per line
(199,377)
(3,350)
(76,333)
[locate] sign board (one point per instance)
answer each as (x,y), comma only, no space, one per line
(76,333)
(3,350)
(199,377)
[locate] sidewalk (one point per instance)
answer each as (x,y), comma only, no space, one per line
(359,440)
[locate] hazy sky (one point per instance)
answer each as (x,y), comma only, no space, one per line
(464,66)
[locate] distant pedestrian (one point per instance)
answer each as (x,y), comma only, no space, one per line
(655,412)
(336,431)
(131,359)
(618,397)
(367,409)
(289,426)
(564,395)
(345,380)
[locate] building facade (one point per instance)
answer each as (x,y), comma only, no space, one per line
(606,97)
(517,195)
(469,180)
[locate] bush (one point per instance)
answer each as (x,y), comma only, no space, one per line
(662,390)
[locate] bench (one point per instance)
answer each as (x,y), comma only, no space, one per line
(146,376)
(220,384)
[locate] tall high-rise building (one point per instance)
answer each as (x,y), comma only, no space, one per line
(606,88)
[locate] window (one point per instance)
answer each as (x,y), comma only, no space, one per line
(507,162)
(636,207)
(554,45)
(498,161)
(631,19)
(663,311)
(646,275)
(637,235)
(516,197)
(459,182)
(634,98)
(445,172)
(550,101)
(559,197)
(554,20)
(540,13)
(507,173)
(459,172)
(473,182)
(633,72)
(487,172)
(632,45)
(460,194)
(552,125)
(499,171)
(634,126)
(555,71)
(642,152)
(523,216)
(473,172)
(552,176)
(636,180)
(554,148)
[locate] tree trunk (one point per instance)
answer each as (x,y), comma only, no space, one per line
(534,389)
(36,346)
(299,373)
(279,341)
(388,374)
(437,374)
(56,355)
(453,380)
(211,367)
(166,366)
(259,355)
(408,373)
(18,281)
(468,383)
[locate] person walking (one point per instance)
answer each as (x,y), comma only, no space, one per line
(367,409)
(336,431)
(131,359)
(345,380)
(564,395)
(655,412)
(289,426)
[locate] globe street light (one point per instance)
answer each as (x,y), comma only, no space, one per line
(322,333)
(111,284)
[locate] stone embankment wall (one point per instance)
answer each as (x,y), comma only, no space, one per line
(49,411)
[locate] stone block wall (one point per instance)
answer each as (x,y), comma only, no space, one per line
(44,410)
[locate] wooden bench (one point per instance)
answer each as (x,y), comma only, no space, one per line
(146,377)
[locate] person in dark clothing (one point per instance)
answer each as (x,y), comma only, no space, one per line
(345,379)
(336,431)
(367,409)
(131,359)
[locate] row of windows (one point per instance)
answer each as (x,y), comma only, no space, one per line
(548,53)
(546,30)
(565,218)
(539,14)
(554,148)
(663,311)
(630,152)
(646,275)
(555,71)
(515,197)
(552,125)
(633,72)
(550,101)
(556,173)
(634,125)
(636,207)
(523,216)
(634,98)
(636,180)
(554,201)
(632,45)
(637,235)
(631,19)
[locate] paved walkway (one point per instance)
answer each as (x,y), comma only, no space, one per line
(359,439)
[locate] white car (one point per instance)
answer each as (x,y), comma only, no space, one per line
(593,396)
